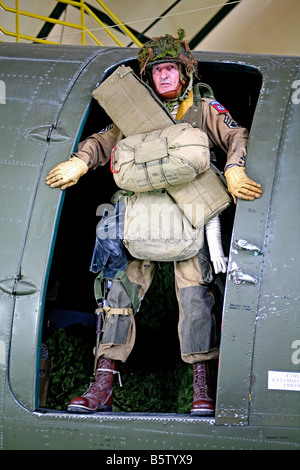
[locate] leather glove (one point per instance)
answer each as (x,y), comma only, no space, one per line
(239,185)
(67,173)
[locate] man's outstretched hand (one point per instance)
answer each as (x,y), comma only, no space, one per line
(239,185)
(67,173)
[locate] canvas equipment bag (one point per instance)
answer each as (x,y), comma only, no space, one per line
(131,104)
(207,190)
(159,159)
(156,229)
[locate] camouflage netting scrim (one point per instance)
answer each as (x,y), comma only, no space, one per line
(167,48)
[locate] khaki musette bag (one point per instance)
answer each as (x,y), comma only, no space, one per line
(156,229)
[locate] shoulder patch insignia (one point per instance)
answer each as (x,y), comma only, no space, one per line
(230,122)
(218,106)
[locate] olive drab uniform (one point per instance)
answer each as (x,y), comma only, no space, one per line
(196,327)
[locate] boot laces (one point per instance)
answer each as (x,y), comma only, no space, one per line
(201,387)
(103,380)
(110,370)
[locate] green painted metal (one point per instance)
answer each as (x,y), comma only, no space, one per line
(262,320)
(48,95)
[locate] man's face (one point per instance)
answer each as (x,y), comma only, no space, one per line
(165,77)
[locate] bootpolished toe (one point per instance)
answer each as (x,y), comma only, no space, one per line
(81,405)
(84,405)
(203,408)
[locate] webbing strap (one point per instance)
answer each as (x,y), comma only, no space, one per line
(116,311)
(202,90)
(193,114)
(98,287)
(130,290)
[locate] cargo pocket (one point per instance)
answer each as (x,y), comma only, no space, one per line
(117,325)
(119,334)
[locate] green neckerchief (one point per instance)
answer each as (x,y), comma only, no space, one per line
(170,105)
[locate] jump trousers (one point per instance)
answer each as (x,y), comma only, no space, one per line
(196,325)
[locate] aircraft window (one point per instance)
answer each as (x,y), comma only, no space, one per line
(154,377)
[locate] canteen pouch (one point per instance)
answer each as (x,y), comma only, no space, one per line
(159,159)
(157,230)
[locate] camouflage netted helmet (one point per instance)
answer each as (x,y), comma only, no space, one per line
(167,49)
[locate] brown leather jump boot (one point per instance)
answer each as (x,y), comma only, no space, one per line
(203,404)
(98,396)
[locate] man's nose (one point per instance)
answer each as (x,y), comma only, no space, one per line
(164,73)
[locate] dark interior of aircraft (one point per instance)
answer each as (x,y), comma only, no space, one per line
(154,377)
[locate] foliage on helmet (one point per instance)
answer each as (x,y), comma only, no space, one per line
(167,49)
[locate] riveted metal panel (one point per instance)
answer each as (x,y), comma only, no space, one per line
(240,311)
(48,92)
(277,327)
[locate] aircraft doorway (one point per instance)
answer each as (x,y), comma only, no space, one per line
(154,378)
